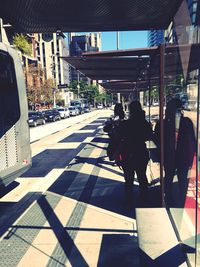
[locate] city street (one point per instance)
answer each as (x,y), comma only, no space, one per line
(41,131)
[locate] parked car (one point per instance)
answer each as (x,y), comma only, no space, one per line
(35,118)
(64,112)
(78,104)
(99,106)
(86,109)
(73,111)
(52,115)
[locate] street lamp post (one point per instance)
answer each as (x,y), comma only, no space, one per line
(78,88)
(78,84)
(54,97)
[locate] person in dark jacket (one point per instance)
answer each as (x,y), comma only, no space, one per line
(133,133)
(119,111)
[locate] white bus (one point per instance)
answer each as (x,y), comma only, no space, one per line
(15,153)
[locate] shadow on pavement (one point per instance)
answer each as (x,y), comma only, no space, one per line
(49,159)
(76,137)
(119,250)
(107,194)
(65,240)
(6,189)
(16,209)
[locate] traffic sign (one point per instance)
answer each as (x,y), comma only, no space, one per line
(60,86)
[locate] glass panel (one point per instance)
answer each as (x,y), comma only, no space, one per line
(182,55)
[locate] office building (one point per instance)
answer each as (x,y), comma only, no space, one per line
(79,44)
(52,46)
(155,37)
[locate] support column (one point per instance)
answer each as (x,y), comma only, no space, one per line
(1,30)
(161,100)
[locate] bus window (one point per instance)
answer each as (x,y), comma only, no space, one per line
(9,100)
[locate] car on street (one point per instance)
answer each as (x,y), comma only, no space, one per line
(35,118)
(52,115)
(99,106)
(73,111)
(86,109)
(64,112)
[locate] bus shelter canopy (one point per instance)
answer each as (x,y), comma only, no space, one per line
(127,86)
(109,68)
(137,68)
(89,15)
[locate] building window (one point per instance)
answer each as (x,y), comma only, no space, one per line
(52,48)
(43,51)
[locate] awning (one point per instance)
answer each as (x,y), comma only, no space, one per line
(116,65)
(110,68)
(88,15)
(128,86)
(137,52)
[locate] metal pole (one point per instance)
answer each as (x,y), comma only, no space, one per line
(117,40)
(54,98)
(118,94)
(161,100)
(1,30)
(197,161)
(78,85)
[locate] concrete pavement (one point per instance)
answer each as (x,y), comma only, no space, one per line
(70,208)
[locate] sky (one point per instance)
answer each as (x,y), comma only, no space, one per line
(127,40)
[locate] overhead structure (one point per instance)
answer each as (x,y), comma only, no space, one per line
(89,15)
(127,86)
(137,68)
(109,68)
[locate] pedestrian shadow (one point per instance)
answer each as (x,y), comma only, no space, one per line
(91,144)
(100,140)
(100,163)
(92,189)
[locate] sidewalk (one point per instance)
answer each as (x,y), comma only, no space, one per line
(82,217)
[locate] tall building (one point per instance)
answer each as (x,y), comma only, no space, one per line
(52,46)
(177,34)
(155,37)
(79,44)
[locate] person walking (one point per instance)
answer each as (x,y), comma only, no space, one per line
(133,134)
(111,127)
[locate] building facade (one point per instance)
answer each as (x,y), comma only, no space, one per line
(155,37)
(50,48)
(79,44)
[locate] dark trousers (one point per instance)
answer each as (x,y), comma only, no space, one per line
(130,167)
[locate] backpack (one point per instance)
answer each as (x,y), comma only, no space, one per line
(115,151)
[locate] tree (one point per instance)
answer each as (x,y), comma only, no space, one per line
(90,92)
(20,41)
(32,75)
(47,91)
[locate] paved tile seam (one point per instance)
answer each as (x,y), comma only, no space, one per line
(75,219)
(18,235)
(21,239)
(85,153)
